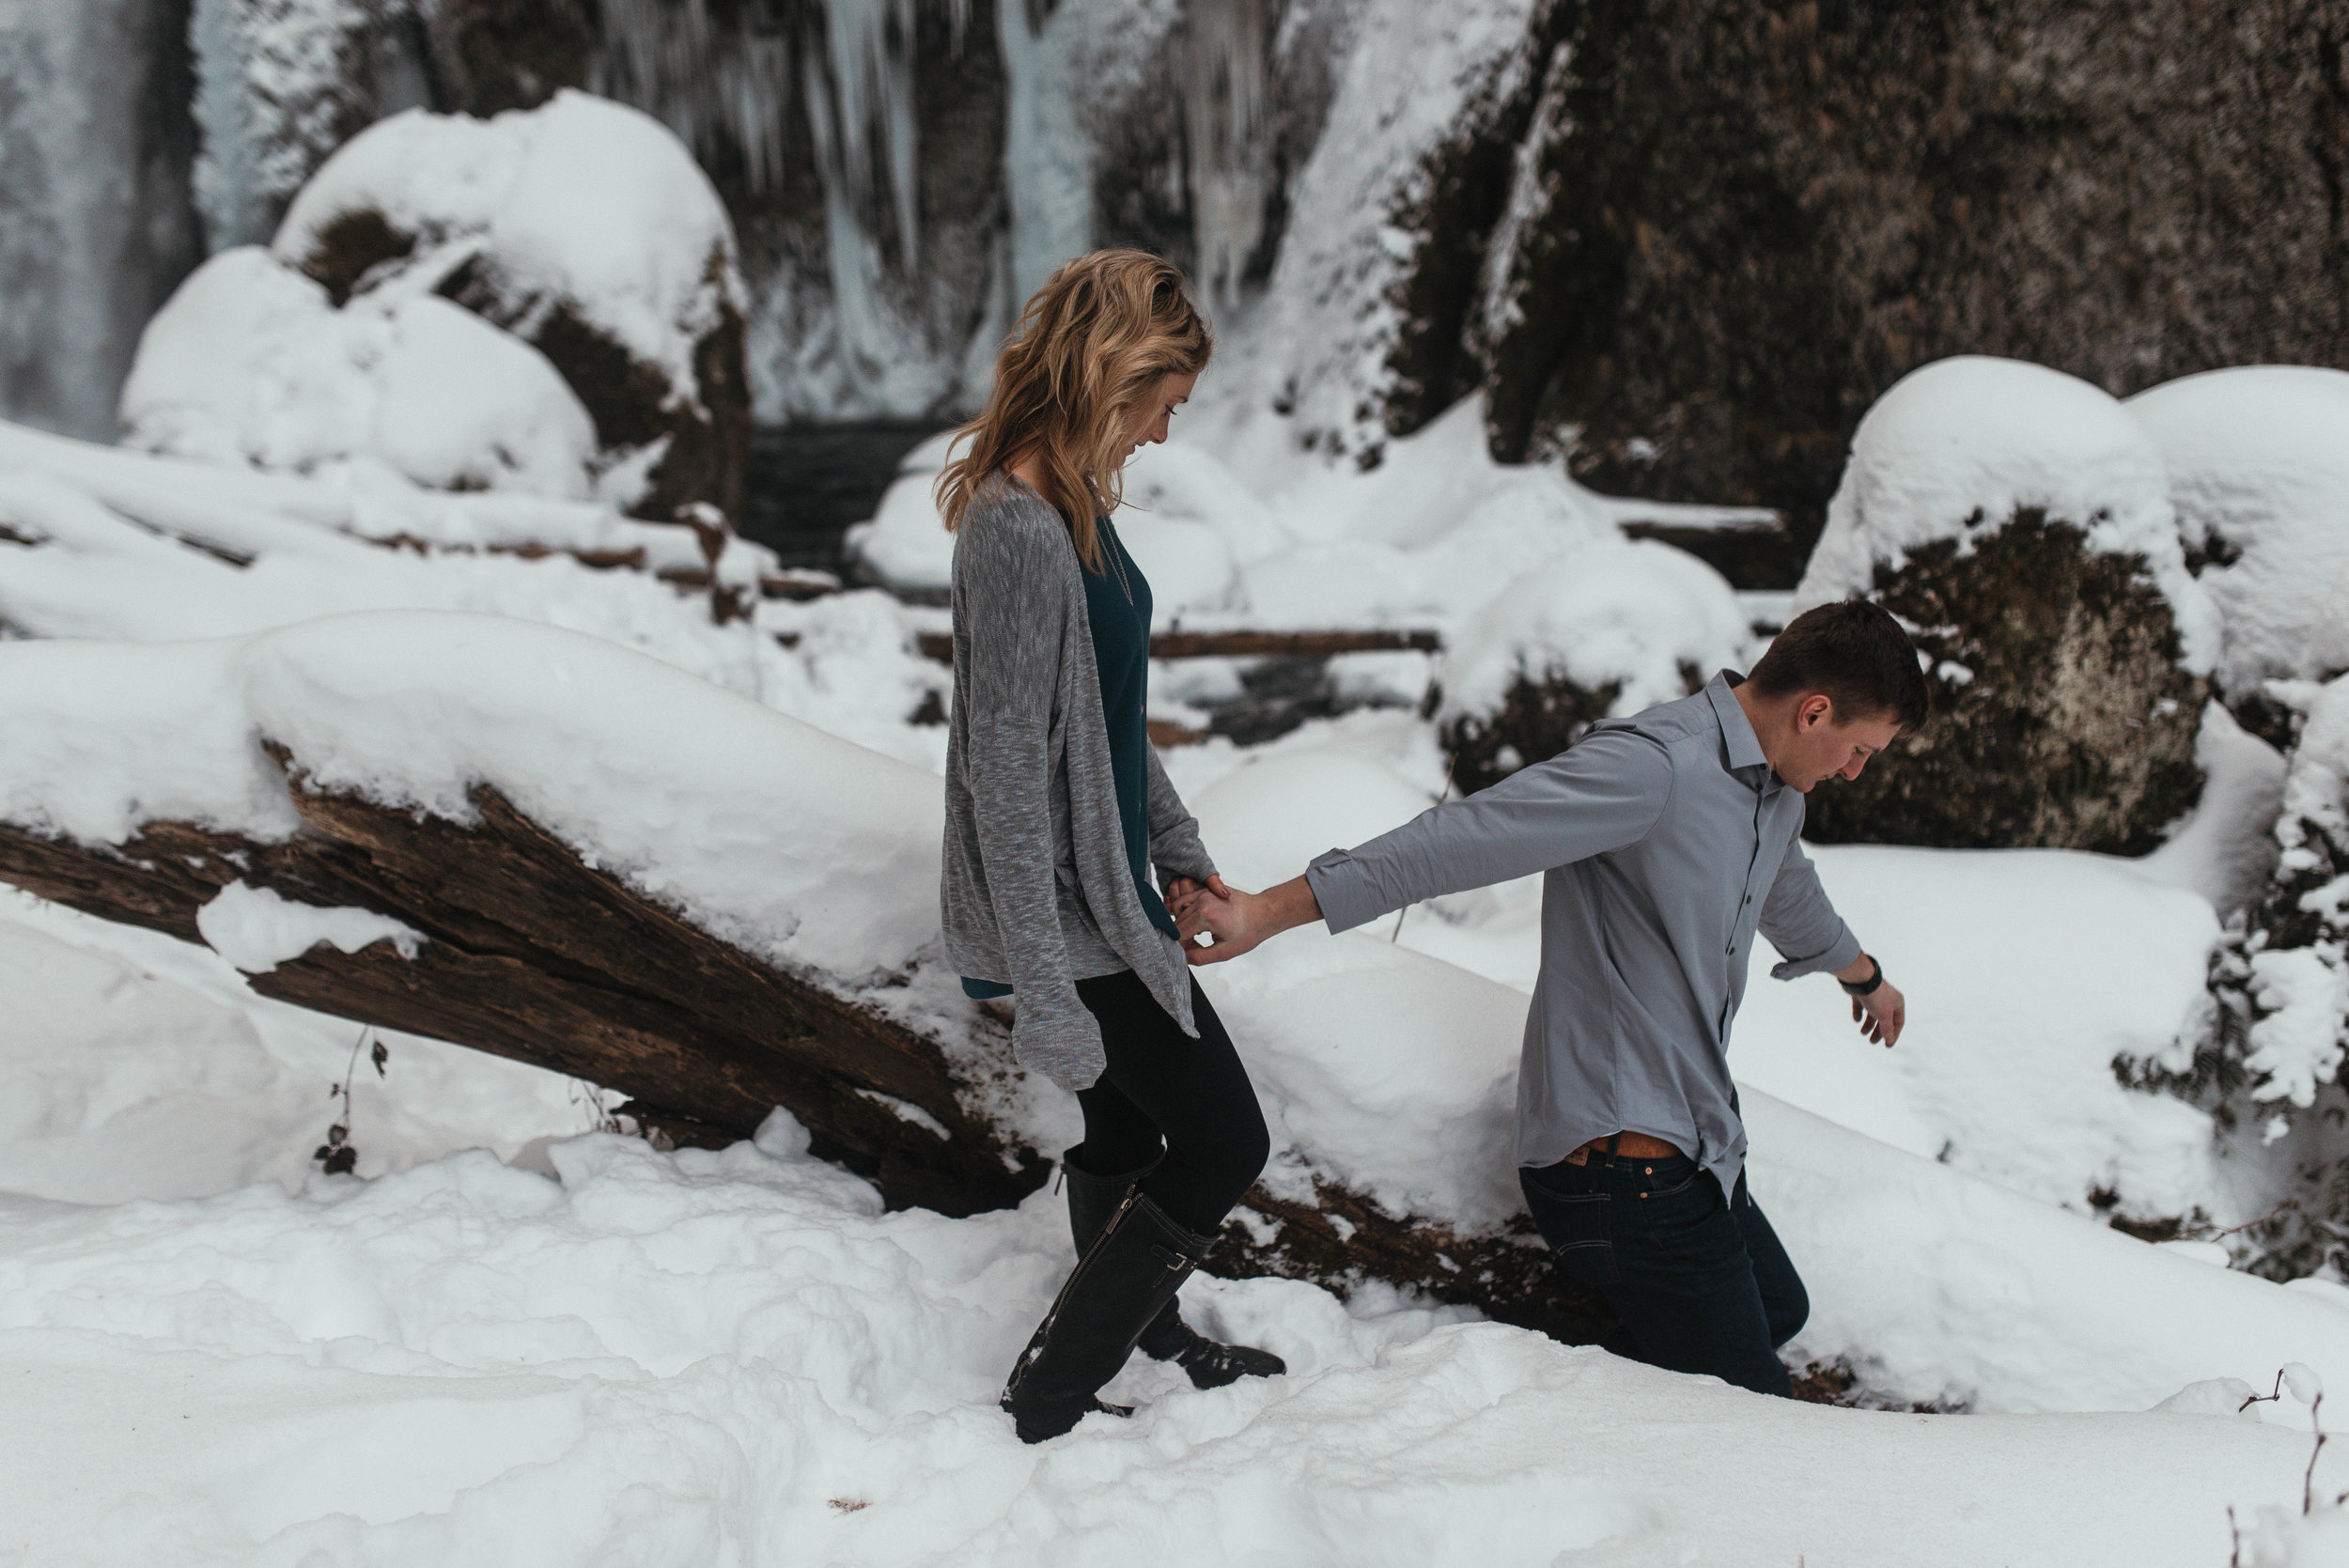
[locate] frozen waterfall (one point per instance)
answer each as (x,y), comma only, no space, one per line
(95,147)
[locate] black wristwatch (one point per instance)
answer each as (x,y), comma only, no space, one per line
(1867,986)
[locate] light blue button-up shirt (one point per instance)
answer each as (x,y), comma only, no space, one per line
(1666,842)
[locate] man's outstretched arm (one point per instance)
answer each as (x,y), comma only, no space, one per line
(1601,795)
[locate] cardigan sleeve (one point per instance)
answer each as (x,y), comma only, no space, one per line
(1175,847)
(1012,610)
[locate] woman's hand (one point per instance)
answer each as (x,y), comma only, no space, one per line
(1182,890)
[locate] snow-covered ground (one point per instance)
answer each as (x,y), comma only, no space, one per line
(512,1337)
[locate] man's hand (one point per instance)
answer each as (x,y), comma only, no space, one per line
(1237,920)
(1882,1014)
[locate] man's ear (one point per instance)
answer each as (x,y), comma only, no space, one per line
(1816,709)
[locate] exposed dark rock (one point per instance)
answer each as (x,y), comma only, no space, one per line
(2062,716)
(491,56)
(1752,218)
(1536,721)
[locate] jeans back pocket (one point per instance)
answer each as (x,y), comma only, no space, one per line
(1573,1212)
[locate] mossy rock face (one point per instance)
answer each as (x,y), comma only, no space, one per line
(2062,718)
(1745,220)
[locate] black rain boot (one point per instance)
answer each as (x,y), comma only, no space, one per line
(1133,1268)
(1092,1198)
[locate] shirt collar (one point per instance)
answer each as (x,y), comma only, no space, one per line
(1738,741)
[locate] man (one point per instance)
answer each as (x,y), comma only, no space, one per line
(1666,840)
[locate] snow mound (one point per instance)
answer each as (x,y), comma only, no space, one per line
(249,362)
(581,202)
(1961,445)
(2257,459)
(1633,612)
(135,1065)
(1268,817)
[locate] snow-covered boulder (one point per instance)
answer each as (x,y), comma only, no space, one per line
(583,226)
(2257,459)
(1608,631)
(2018,521)
(250,363)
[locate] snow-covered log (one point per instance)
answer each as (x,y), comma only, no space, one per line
(2018,521)
(546,847)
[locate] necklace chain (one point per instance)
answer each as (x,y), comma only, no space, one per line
(1112,551)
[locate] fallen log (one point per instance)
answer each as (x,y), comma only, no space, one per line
(533,949)
(532,955)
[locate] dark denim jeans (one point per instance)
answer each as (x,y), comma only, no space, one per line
(1702,1285)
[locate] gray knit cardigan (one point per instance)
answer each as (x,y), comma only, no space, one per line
(1030,795)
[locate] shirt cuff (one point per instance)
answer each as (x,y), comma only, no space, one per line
(1841,956)
(1344,889)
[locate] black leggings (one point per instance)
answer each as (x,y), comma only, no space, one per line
(1164,1090)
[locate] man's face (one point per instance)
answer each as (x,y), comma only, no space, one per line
(1828,746)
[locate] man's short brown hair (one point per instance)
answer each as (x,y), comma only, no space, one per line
(1854,653)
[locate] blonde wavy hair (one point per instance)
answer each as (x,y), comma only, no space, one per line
(1091,348)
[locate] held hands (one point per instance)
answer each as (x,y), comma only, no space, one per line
(1237,920)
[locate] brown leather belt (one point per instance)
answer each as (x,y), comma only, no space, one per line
(1625,1145)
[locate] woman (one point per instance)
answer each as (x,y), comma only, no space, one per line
(1056,809)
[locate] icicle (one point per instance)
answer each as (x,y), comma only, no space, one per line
(1044,155)
(867,94)
(714,86)
(1222,62)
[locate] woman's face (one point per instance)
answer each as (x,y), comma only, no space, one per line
(1155,411)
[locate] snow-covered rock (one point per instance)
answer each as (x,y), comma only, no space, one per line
(2257,460)
(583,226)
(249,362)
(1604,632)
(2018,521)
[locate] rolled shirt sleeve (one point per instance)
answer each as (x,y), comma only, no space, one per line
(1604,793)
(1802,925)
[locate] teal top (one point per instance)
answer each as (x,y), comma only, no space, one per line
(1117,603)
